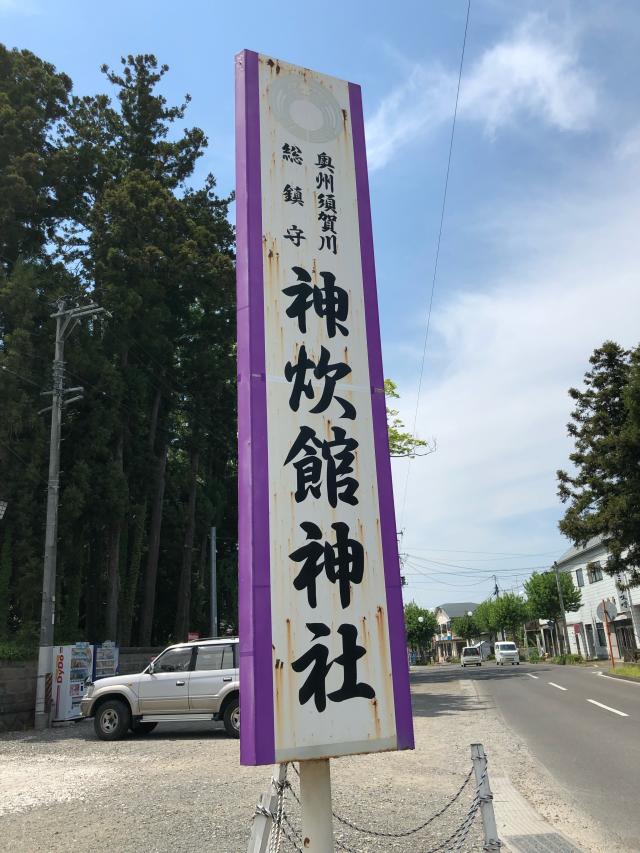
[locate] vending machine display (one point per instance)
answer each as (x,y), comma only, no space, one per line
(73,667)
(105,660)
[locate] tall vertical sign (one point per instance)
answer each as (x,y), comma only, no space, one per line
(323,663)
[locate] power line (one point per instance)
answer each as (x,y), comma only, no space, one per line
(505,554)
(437,257)
(476,569)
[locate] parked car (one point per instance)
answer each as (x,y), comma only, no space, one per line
(506,653)
(471,656)
(188,682)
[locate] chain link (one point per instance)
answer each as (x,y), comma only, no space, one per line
(275,837)
(403,833)
(283,827)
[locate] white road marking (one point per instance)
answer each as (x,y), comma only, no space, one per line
(615,678)
(607,708)
(553,684)
(532,676)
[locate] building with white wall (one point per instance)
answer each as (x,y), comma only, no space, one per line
(447,644)
(587,635)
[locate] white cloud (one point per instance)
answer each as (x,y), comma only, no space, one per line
(534,73)
(511,350)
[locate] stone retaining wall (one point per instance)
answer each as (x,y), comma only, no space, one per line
(17,695)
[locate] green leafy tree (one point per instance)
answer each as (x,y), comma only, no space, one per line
(486,617)
(511,613)
(401,442)
(603,491)
(466,627)
(421,625)
(543,598)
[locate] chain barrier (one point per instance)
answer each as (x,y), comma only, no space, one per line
(277,830)
(403,833)
(283,827)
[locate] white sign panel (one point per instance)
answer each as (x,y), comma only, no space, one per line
(314,468)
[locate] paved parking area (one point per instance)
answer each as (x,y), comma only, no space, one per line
(182,788)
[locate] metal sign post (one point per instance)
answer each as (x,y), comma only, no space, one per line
(323,667)
(607,611)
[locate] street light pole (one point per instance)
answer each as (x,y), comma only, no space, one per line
(564,618)
(66,321)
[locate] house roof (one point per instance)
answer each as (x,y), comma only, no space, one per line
(574,552)
(458,608)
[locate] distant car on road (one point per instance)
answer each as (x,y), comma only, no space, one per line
(470,656)
(506,652)
(188,682)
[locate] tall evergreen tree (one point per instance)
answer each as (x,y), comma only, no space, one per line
(603,491)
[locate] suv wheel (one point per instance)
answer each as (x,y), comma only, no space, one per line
(232,718)
(112,720)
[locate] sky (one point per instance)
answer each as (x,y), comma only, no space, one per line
(539,255)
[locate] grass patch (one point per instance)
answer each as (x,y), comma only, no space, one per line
(626,670)
(567,659)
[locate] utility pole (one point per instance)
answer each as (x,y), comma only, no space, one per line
(66,320)
(214,585)
(564,618)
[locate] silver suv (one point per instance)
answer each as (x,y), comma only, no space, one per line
(189,682)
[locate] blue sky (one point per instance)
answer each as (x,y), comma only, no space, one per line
(540,255)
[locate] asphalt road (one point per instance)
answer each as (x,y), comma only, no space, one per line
(583,727)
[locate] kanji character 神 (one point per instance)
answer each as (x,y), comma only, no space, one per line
(342,562)
(317,657)
(329,301)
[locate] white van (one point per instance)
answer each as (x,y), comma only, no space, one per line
(506,652)
(470,656)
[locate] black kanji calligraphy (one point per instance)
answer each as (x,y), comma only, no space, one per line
(329,301)
(296,372)
(327,201)
(328,221)
(324,182)
(332,303)
(293,195)
(335,461)
(324,162)
(328,241)
(292,154)
(342,562)
(317,657)
(295,234)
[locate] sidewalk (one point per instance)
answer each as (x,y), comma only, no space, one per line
(520,827)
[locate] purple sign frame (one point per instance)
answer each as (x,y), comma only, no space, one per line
(257,744)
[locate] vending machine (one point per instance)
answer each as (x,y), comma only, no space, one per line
(73,667)
(105,660)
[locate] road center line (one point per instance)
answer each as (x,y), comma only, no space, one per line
(553,684)
(532,676)
(607,708)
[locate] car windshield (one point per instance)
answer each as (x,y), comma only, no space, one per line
(470,652)
(507,647)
